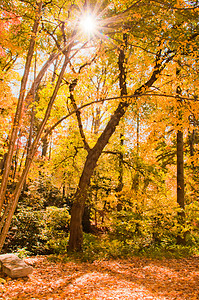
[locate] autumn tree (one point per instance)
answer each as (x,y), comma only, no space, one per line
(63,40)
(145,26)
(143,43)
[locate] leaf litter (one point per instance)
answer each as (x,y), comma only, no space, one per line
(136,279)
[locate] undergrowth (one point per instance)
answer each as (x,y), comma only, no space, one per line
(104,248)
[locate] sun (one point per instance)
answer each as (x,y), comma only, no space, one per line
(99,21)
(88,24)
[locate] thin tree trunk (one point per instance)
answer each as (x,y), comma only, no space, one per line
(78,114)
(191,139)
(180,185)
(33,148)
(45,145)
(64,186)
(180,170)
(19,109)
(40,75)
(137,175)
(32,117)
(45,142)
(123,92)
(180,173)
(15,158)
(121,173)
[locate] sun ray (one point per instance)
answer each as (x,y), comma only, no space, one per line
(96,21)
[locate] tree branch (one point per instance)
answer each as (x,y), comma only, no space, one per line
(49,130)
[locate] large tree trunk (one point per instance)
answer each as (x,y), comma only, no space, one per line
(76,233)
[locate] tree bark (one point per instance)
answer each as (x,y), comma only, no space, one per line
(19,109)
(180,172)
(123,92)
(121,173)
(191,140)
(45,144)
(76,234)
(137,175)
(78,114)
(180,185)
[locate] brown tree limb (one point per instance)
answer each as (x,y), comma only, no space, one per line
(49,130)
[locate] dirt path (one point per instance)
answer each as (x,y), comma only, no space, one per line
(118,279)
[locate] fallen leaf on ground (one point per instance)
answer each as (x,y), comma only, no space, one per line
(136,279)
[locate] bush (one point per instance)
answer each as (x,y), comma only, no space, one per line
(127,224)
(56,221)
(101,247)
(146,228)
(169,251)
(41,193)
(98,248)
(57,246)
(26,231)
(56,229)
(38,232)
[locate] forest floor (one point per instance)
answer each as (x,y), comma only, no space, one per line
(137,278)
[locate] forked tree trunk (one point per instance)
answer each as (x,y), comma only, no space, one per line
(76,233)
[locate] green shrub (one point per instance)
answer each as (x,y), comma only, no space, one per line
(57,246)
(56,229)
(98,248)
(26,231)
(38,232)
(101,247)
(22,252)
(56,222)
(128,225)
(169,251)
(146,228)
